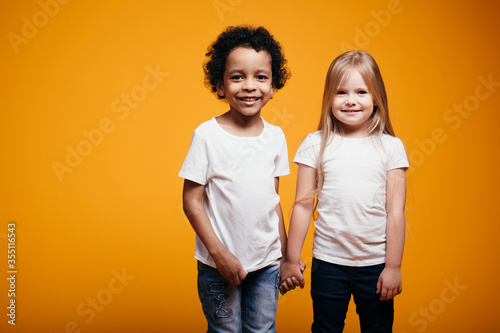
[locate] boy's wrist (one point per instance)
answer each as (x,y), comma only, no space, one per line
(217,252)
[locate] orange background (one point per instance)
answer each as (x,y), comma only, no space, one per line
(67,69)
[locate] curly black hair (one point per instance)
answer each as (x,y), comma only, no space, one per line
(257,38)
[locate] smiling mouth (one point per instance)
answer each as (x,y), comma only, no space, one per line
(351,111)
(248,99)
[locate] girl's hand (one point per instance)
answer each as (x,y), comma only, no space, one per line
(302,266)
(389,283)
(291,276)
(229,267)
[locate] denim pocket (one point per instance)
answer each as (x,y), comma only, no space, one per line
(214,292)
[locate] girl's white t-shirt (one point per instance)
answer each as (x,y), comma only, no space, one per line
(351,226)
(238,174)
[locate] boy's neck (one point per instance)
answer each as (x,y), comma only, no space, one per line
(238,124)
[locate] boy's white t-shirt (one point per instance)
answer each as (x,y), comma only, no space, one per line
(351,223)
(238,174)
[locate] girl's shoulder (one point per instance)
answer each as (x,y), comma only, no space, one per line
(314,137)
(390,140)
(392,145)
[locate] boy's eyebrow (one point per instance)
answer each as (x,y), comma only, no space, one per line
(239,70)
(264,71)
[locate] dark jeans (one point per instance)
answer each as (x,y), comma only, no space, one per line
(331,289)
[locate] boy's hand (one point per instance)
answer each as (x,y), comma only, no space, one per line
(389,283)
(230,267)
(291,276)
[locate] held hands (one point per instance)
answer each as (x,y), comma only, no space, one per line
(229,267)
(389,283)
(291,276)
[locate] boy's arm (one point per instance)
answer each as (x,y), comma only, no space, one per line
(281,222)
(390,283)
(299,225)
(227,264)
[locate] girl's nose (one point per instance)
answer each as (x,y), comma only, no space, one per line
(350,100)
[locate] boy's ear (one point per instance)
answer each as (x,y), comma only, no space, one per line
(220,89)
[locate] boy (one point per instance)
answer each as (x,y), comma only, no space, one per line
(231,183)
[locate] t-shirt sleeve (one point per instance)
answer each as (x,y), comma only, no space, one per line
(195,166)
(398,158)
(282,165)
(308,151)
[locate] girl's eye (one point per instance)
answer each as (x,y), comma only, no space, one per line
(362,92)
(340,92)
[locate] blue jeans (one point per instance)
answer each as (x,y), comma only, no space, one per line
(249,307)
(331,289)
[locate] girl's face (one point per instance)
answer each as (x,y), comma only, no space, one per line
(353,105)
(247,83)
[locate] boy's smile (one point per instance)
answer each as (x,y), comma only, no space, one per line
(247,83)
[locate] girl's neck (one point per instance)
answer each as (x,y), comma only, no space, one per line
(238,124)
(355,133)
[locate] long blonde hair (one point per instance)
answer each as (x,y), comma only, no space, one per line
(340,69)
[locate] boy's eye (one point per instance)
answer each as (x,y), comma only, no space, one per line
(236,77)
(261,77)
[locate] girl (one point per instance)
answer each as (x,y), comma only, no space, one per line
(355,167)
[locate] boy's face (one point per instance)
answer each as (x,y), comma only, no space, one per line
(247,83)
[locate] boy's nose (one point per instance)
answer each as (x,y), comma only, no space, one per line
(248,85)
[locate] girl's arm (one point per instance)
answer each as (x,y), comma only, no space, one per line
(227,264)
(389,283)
(291,274)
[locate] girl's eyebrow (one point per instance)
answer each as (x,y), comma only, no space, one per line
(356,88)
